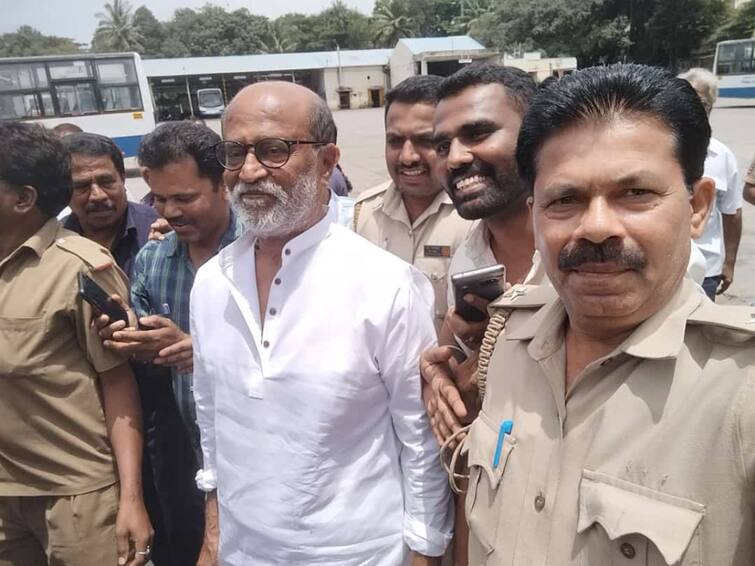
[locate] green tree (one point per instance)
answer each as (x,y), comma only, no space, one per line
(279,37)
(739,24)
(213,31)
(342,26)
(392,20)
(27,41)
(151,30)
(116,30)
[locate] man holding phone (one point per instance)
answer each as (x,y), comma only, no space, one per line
(71,437)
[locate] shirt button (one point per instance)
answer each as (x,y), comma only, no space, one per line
(273,312)
(539,502)
(627,550)
(277,281)
(287,251)
(266,344)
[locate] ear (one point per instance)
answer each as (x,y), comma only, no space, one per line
(701,202)
(27,199)
(328,157)
(145,174)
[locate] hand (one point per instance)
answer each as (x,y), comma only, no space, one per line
(208,555)
(180,356)
(449,390)
(158,229)
(133,533)
(727,278)
(471,333)
(162,333)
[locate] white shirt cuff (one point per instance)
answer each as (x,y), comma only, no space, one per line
(207,480)
(423,538)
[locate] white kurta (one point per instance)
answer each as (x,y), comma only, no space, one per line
(313,428)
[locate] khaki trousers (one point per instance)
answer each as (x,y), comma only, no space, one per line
(73,530)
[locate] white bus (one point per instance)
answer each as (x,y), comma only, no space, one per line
(105,94)
(735,67)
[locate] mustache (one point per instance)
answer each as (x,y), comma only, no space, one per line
(265,187)
(609,251)
(477,167)
(99,207)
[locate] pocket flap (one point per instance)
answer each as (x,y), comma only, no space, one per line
(624,508)
(481,446)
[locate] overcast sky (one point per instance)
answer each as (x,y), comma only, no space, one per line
(75,18)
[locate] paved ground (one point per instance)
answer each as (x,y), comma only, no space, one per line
(360,137)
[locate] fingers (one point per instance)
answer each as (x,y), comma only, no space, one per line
(452,400)
(107,330)
(181,349)
(725,284)
(471,333)
(156,322)
(477,302)
(122,546)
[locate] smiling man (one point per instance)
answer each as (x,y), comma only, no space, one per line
(617,420)
(317,449)
(411,216)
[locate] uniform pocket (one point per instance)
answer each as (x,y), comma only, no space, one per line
(22,341)
(483,500)
(638,525)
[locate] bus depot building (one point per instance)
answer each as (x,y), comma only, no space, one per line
(344,78)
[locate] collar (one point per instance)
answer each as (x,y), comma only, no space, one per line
(39,241)
(127,225)
(393,205)
(296,246)
(660,336)
(234,230)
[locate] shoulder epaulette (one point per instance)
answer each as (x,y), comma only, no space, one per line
(525,297)
(373,192)
(93,254)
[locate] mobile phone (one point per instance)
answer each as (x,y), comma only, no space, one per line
(485,282)
(96,296)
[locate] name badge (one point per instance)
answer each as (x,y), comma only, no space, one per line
(437,251)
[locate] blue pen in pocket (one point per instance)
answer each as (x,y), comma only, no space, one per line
(506,428)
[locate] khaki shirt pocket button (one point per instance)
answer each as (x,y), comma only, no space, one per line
(539,502)
(627,550)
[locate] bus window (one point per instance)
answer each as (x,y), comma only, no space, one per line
(735,58)
(119,87)
(66,70)
(120,98)
(76,99)
(14,106)
(22,77)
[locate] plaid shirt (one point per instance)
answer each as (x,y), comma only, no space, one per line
(164,274)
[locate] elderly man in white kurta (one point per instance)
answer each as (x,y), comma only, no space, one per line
(307,341)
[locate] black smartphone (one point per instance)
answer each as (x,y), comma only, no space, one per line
(96,296)
(485,282)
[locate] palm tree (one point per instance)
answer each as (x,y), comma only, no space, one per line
(392,22)
(278,38)
(116,30)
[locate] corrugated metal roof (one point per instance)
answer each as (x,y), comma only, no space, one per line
(418,45)
(265,63)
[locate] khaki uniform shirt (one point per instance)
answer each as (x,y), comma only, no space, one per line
(428,243)
(53,439)
(648,459)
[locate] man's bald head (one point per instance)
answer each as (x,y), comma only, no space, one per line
(286,99)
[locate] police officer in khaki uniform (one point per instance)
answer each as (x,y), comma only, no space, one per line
(411,216)
(617,423)
(69,407)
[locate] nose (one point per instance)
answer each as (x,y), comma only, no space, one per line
(170,210)
(408,155)
(252,170)
(458,155)
(599,222)
(96,194)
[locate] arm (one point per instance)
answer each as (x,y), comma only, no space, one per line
(428,517)
(732,224)
(208,555)
(204,399)
(123,420)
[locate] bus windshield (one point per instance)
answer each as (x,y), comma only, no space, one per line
(210,98)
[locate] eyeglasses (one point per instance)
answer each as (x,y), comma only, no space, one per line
(271,152)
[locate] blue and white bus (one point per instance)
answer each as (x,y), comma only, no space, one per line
(105,94)
(735,67)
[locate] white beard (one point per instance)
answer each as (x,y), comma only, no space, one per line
(289,212)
